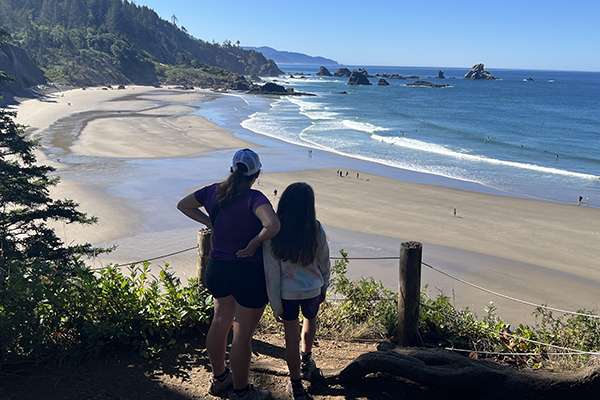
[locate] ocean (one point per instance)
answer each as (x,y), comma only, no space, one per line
(535,138)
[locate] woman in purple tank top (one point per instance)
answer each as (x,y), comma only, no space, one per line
(241,219)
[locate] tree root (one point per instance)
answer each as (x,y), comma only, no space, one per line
(463,376)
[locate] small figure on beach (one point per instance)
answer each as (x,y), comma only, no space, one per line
(357,175)
(580,198)
(346,173)
(587,201)
(297,270)
(309,153)
(275,193)
(557,156)
(455,212)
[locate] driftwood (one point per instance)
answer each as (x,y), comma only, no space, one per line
(463,376)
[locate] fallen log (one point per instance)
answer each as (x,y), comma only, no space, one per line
(466,377)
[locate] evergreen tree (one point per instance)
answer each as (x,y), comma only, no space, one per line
(26,206)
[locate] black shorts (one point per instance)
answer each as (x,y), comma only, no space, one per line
(243,280)
(291,308)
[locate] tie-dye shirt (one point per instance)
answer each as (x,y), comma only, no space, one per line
(292,281)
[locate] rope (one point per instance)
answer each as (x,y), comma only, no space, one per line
(508,297)
(522,338)
(156,258)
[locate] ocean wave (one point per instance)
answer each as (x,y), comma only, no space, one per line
(445,151)
(363,126)
(313,110)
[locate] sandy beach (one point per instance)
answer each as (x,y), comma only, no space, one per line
(127,156)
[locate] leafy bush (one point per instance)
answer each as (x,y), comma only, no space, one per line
(75,315)
(357,309)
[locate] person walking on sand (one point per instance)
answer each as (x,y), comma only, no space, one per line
(241,219)
(455,212)
(297,270)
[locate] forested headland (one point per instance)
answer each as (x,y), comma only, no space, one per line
(101,42)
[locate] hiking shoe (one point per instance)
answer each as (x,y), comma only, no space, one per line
(307,369)
(297,394)
(252,394)
(217,387)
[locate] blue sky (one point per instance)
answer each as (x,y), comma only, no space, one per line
(520,34)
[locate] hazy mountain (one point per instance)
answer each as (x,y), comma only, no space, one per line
(288,57)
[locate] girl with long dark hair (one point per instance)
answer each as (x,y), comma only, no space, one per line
(241,219)
(297,270)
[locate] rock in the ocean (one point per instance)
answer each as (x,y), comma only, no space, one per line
(441,74)
(275,89)
(383,82)
(477,72)
(323,72)
(342,72)
(358,78)
(425,84)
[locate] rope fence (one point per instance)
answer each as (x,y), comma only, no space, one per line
(574,351)
(389,258)
(565,351)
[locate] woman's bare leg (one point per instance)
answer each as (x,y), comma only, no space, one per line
(246,320)
(216,339)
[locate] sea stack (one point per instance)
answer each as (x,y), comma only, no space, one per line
(323,72)
(342,72)
(477,72)
(359,78)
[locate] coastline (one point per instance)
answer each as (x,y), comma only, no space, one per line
(534,250)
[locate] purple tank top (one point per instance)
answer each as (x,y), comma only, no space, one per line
(236,225)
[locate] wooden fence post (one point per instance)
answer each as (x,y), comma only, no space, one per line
(204,246)
(409,292)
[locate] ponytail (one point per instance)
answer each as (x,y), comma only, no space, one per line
(234,185)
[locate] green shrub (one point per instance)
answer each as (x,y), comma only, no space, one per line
(75,315)
(357,309)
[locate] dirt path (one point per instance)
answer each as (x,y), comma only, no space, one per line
(183,373)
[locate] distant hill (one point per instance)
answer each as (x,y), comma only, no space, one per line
(99,42)
(288,57)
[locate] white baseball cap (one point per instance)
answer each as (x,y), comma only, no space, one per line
(249,159)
